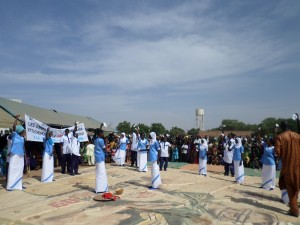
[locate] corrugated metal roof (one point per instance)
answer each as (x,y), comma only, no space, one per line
(6,120)
(51,117)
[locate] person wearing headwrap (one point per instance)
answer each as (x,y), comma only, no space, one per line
(203,158)
(133,148)
(120,155)
(268,173)
(101,176)
(16,163)
(238,151)
(48,163)
(153,156)
(142,149)
(287,148)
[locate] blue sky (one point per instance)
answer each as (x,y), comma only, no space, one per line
(153,61)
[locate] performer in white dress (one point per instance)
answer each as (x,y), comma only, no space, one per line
(16,162)
(238,151)
(101,177)
(48,163)
(142,153)
(153,156)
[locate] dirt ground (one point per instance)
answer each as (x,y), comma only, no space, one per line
(183,198)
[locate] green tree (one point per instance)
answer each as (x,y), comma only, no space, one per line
(175,131)
(124,127)
(234,125)
(194,131)
(158,128)
(144,128)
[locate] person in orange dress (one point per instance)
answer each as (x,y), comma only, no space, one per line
(287,148)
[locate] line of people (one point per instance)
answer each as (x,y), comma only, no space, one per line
(286,147)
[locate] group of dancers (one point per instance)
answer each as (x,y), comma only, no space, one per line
(140,147)
(233,160)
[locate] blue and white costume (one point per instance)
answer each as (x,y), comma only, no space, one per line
(239,172)
(203,159)
(153,155)
(120,155)
(16,163)
(48,163)
(268,174)
(101,177)
(142,154)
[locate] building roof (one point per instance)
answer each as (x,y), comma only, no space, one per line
(9,109)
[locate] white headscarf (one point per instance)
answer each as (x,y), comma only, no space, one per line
(205,144)
(123,140)
(153,137)
(239,144)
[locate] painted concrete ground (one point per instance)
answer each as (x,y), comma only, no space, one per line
(183,198)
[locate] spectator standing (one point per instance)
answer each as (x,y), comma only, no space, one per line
(133,148)
(75,156)
(184,150)
(175,154)
(164,154)
(90,153)
(228,158)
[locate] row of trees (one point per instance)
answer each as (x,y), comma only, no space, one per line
(267,127)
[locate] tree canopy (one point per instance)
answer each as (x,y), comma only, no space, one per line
(267,127)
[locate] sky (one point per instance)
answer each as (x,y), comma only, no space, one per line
(153,61)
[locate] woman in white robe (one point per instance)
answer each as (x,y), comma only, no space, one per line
(142,153)
(16,163)
(268,174)
(101,176)
(238,151)
(48,163)
(153,156)
(120,155)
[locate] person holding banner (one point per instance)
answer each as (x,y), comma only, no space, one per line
(48,162)
(16,163)
(101,177)
(66,144)
(75,150)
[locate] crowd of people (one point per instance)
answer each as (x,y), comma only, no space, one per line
(135,149)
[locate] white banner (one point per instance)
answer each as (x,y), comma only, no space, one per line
(36,131)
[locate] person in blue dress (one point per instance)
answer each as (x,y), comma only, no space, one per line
(153,156)
(16,163)
(48,162)
(268,174)
(203,158)
(99,152)
(120,155)
(142,153)
(238,151)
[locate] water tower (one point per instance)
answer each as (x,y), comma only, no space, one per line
(200,119)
